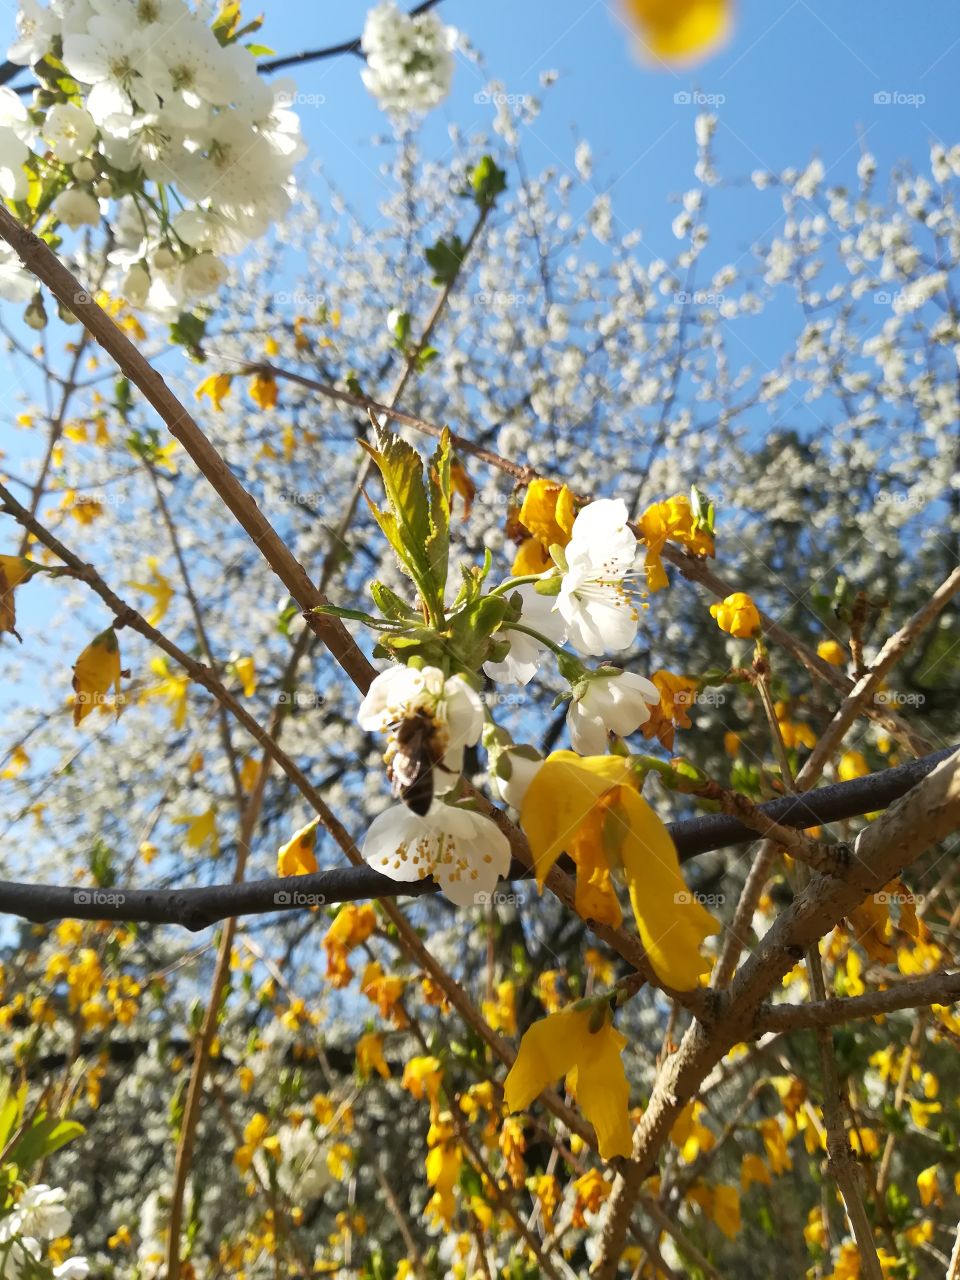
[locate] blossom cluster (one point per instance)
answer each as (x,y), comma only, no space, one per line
(40,1216)
(409,58)
(573,592)
(151,117)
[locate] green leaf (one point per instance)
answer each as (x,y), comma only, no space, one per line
(438,544)
(189,330)
(407,524)
(425,356)
(9,1113)
(391,605)
(488,181)
(474,577)
(46,1135)
(446,258)
(351,615)
(400,324)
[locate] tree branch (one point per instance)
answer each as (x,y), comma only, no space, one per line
(938,988)
(197,909)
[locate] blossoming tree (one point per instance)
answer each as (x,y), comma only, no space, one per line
(448,836)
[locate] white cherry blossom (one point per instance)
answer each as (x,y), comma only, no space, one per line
(465,852)
(523,661)
(594,603)
(603,704)
(456,708)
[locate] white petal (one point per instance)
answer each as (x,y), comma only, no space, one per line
(588,733)
(464,712)
(394,844)
(479,858)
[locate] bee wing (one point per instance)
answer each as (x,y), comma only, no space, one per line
(406,770)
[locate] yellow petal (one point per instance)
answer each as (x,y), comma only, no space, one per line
(548,1050)
(595,898)
(677,30)
(563,1043)
(263,390)
(540,509)
(531,557)
(95,671)
(603,1094)
(247,675)
(672,924)
(564,790)
(297,857)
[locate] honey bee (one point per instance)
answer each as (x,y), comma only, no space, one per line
(417,750)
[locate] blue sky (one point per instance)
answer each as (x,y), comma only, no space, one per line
(797,78)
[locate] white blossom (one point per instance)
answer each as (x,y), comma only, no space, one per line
(409,59)
(594,602)
(465,852)
(605,704)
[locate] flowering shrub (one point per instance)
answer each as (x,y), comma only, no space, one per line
(366,803)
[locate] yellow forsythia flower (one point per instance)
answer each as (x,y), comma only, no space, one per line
(246,673)
(370,1056)
(547,513)
(263,390)
(201,829)
(249,773)
(832,652)
(583,1042)
(852,765)
(928,1184)
(216,387)
(737,615)
(501,1013)
(18,761)
(443,1163)
(297,857)
(94,673)
(173,688)
(461,483)
(423,1077)
(672,520)
(160,588)
(752,1169)
(680,30)
(589,807)
(13,571)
